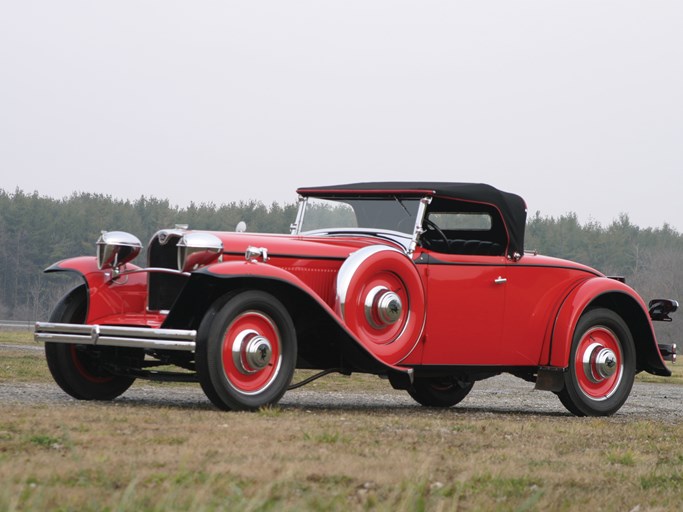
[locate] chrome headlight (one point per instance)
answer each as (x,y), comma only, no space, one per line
(197,249)
(116,248)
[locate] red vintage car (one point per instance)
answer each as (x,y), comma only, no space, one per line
(427,284)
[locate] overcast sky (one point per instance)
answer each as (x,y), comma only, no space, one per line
(574,105)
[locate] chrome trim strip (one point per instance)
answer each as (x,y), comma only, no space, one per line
(116,336)
(355,231)
(156,270)
(395,237)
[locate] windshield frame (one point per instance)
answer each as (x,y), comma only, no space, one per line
(407,240)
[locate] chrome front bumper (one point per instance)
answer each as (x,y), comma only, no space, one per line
(116,336)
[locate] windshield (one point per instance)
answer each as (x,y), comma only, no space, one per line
(388,213)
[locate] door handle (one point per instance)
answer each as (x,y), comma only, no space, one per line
(500,280)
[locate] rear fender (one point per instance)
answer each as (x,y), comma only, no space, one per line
(614,295)
(323,337)
(120,301)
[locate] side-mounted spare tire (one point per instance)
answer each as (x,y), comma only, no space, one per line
(381,299)
(84,371)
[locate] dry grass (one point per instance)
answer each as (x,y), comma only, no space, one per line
(16,337)
(112,457)
(118,456)
(676,377)
(21,365)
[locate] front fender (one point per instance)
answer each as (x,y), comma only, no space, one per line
(120,301)
(209,283)
(614,295)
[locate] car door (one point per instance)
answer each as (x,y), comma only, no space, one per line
(465,305)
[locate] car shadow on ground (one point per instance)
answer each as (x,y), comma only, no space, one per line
(319,406)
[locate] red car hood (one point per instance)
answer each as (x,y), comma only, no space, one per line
(332,247)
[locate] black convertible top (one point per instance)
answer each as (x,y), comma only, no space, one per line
(511,206)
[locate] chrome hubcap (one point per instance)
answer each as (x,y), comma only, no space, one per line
(599,363)
(251,352)
(382,307)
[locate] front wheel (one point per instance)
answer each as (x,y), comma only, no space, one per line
(84,371)
(440,392)
(601,365)
(246,351)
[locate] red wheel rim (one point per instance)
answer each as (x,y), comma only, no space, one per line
(599,363)
(83,370)
(251,352)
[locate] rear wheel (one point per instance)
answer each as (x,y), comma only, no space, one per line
(601,365)
(246,351)
(83,371)
(440,392)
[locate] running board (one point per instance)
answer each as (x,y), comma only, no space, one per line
(116,336)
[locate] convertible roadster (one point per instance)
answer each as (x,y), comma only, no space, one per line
(425,284)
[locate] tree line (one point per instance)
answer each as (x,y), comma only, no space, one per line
(36,231)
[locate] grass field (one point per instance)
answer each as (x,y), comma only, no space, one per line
(117,456)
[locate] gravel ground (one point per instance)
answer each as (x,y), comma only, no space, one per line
(504,395)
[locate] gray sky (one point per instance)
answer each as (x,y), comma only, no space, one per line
(575,105)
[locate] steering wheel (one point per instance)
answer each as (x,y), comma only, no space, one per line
(433,227)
